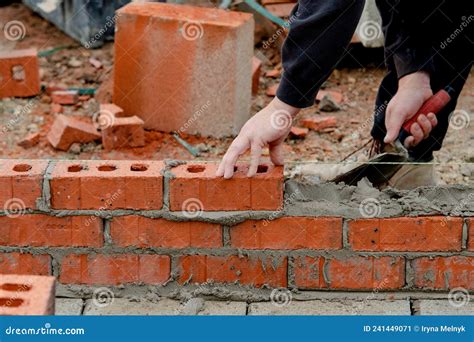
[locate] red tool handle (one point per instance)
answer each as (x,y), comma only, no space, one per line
(433,105)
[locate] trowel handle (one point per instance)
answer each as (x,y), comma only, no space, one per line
(433,105)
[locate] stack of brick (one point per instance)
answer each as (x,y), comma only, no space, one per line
(148,222)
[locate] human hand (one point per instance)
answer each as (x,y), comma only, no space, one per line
(269,127)
(413,90)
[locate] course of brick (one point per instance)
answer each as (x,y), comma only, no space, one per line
(26,295)
(153,222)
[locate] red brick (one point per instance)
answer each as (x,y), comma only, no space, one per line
(146,232)
(21,183)
(470,237)
(256,71)
(123,132)
(30,140)
(68,130)
(444,273)
(56,108)
(65,97)
(19,263)
(356,272)
(299,132)
(115,269)
(215,49)
(318,124)
(264,191)
(271,271)
(288,233)
(19,73)
(26,295)
(44,230)
(416,234)
(105,185)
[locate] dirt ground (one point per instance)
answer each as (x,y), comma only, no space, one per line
(70,67)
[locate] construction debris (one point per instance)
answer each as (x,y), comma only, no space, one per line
(319,124)
(65,97)
(123,132)
(67,130)
(30,140)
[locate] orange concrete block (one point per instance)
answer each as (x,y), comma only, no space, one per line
(21,184)
(19,73)
(123,132)
(179,65)
(68,130)
(197,185)
(26,295)
(106,185)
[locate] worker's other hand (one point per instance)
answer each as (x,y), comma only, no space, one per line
(269,127)
(413,90)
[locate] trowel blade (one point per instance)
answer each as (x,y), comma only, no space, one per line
(377,170)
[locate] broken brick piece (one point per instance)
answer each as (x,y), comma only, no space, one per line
(65,97)
(213,79)
(67,130)
(26,295)
(336,96)
(30,140)
(124,132)
(19,73)
(256,69)
(319,124)
(273,73)
(299,132)
(56,108)
(111,110)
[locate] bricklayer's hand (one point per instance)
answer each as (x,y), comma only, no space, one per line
(413,90)
(269,127)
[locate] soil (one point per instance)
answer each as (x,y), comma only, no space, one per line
(70,67)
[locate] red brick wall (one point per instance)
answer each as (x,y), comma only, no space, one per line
(129,222)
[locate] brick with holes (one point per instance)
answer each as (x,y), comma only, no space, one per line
(123,133)
(26,295)
(21,183)
(68,130)
(106,185)
(19,73)
(196,186)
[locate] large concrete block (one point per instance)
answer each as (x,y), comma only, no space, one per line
(184,68)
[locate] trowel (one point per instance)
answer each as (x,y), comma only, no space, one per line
(380,168)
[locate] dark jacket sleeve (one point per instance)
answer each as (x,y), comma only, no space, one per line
(407,49)
(320,31)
